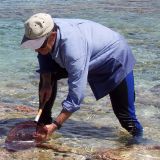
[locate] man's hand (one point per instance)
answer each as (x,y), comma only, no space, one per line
(44,132)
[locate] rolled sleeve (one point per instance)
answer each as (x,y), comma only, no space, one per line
(68,106)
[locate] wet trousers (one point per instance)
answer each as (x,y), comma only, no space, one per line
(122,99)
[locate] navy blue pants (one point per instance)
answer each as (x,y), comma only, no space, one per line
(122,99)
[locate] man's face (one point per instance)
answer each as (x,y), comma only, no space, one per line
(48,44)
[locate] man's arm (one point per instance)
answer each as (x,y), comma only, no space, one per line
(62,117)
(77,83)
(45,65)
(46,78)
(46,88)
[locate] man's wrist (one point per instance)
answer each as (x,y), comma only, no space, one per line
(62,117)
(58,125)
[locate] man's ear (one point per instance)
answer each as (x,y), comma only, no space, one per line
(52,38)
(50,42)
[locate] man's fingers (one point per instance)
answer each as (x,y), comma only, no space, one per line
(41,134)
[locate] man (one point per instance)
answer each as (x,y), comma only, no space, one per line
(83,51)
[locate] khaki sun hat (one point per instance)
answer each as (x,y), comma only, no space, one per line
(37,28)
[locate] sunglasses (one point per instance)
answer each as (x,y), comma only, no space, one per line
(47,45)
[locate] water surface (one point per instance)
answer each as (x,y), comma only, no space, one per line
(94,126)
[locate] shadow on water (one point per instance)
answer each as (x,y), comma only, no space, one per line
(87,130)
(7,124)
(80,129)
(71,128)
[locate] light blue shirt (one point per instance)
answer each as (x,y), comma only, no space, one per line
(90,52)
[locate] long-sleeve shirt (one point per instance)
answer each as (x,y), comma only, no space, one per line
(89,52)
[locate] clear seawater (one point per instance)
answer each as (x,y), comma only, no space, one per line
(137,20)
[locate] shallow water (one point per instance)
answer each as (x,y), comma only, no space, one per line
(94,126)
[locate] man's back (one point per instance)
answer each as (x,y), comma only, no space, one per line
(95,35)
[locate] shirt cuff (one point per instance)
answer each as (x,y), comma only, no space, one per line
(70,107)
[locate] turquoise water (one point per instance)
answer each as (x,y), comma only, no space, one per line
(137,20)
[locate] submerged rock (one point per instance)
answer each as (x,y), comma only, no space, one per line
(156,89)
(23,108)
(131,153)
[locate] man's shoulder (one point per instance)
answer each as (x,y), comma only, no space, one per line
(71,20)
(74,21)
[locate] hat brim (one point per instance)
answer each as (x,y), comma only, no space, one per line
(32,43)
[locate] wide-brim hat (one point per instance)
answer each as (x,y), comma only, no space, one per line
(37,29)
